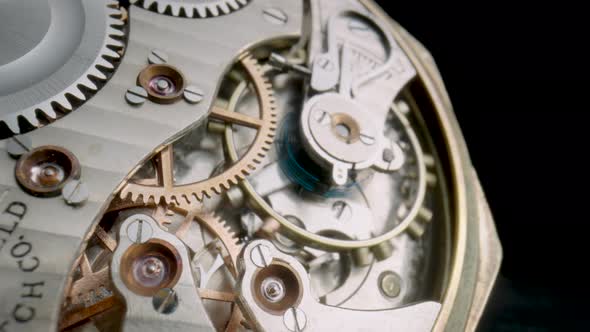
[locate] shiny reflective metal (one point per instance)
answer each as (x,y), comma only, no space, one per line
(193,94)
(136,95)
(418,317)
(75,192)
(357,192)
(17,146)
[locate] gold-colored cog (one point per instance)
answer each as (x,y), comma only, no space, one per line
(163,187)
(92,294)
(217,226)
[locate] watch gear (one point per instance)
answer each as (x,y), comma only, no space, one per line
(410,212)
(91,294)
(55,55)
(192,8)
(164,202)
(163,187)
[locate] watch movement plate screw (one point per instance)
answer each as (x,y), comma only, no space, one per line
(165,301)
(261,255)
(295,319)
(193,94)
(136,95)
(139,231)
(157,57)
(275,16)
(75,192)
(18,145)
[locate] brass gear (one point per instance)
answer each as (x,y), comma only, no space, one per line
(212,223)
(163,187)
(92,294)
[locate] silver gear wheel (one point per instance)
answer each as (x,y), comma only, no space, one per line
(55,55)
(192,8)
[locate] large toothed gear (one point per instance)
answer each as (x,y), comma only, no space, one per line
(163,186)
(192,8)
(55,55)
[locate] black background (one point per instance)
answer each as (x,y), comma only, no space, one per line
(518,80)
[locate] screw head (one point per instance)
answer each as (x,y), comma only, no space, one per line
(275,16)
(295,319)
(367,139)
(403,107)
(165,301)
(163,84)
(388,155)
(139,230)
(273,289)
(136,95)
(157,57)
(261,255)
(75,192)
(390,284)
(18,145)
(325,63)
(193,94)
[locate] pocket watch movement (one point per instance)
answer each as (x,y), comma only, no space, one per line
(232,165)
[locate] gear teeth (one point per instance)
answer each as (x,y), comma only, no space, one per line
(224,8)
(63,102)
(242,168)
(30,117)
(191,10)
(87,83)
(175,10)
(77,93)
(201,11)
(214,10)
(98,75)
(105,63)
(220,228)
(49,113)
(44,112)
(233,4)
(111,54)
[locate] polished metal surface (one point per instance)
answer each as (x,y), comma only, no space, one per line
(232,165)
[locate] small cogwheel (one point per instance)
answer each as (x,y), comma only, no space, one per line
(192,8)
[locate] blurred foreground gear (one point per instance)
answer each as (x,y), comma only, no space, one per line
(55,55)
